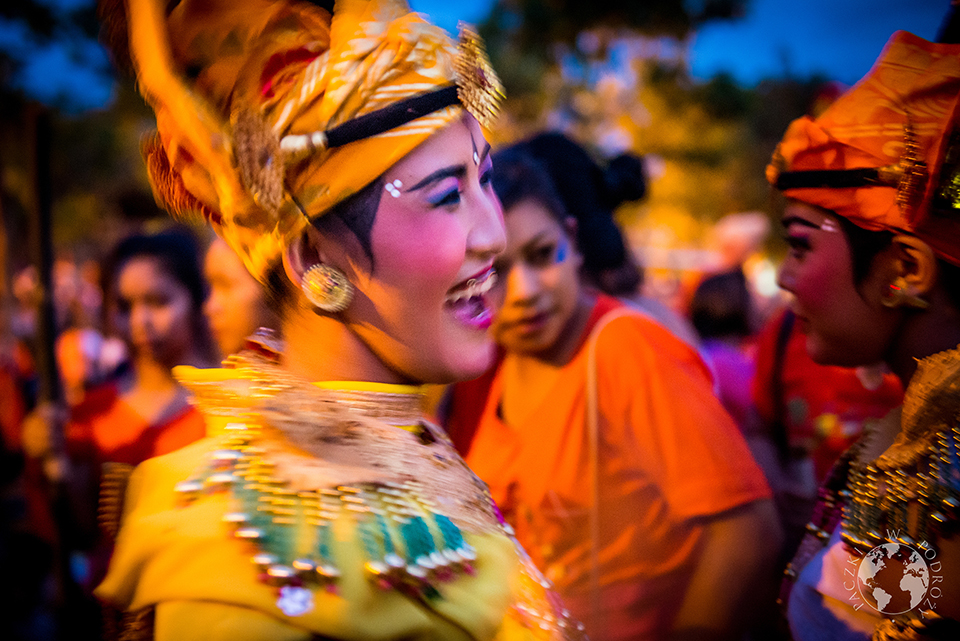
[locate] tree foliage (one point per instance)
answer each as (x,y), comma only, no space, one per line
(615,76)
(524,36)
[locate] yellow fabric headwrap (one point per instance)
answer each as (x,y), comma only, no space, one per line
(229,80)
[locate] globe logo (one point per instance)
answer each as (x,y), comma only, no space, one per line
(893,578)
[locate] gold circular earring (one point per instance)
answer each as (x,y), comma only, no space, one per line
(327,288)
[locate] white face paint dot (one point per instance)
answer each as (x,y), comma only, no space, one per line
(397,183)
(476,158)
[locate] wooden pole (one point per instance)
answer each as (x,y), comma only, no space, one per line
(41,250)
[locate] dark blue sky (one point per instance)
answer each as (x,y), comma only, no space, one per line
(839,39)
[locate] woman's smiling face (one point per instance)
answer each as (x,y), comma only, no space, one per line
(421,303)
(845,322)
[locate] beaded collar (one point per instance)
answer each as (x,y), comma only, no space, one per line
(298,458)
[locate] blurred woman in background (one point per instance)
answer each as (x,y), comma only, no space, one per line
(237,304)
(154,293)
(590,192)
(602,442)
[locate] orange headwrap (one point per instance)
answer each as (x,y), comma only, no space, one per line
(882,155)
(246,93)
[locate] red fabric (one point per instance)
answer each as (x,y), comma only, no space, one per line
(12,409)
(105,428)
(826,406)
(669,454)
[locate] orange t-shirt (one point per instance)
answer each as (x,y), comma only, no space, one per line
(105,428)
(669,453)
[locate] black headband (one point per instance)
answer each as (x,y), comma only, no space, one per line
(834,179)
(392,116)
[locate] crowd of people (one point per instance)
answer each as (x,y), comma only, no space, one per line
(600,466)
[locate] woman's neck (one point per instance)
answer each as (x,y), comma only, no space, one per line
(149,375)
(923,334)
(320,348)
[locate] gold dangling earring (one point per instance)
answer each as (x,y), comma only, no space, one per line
(898,296)
(894,295)
(327,288)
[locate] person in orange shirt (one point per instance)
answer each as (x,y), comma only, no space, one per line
(603,444)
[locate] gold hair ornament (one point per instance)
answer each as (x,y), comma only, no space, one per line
(913,170)
(258,153)
(478,86)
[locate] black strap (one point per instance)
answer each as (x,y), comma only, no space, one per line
(393,116)
(831,179)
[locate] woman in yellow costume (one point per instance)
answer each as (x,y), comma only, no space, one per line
(873,224)
(339,151)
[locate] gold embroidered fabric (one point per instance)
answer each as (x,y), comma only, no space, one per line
(912,491)
(931,405)
(294,453)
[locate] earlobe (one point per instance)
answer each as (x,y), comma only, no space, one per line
(294,264)
(915,273)
(918,264)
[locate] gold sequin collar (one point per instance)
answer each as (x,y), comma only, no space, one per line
(931,405)
(251,380)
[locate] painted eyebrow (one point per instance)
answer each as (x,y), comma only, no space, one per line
(542,237)
(457,171)
(786,222)
(484,153)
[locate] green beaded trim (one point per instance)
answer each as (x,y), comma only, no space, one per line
(408,544)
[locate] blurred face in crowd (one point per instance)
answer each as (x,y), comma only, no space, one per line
(154,312)
(538,287)
(845,322)
(235,307)
(421,302)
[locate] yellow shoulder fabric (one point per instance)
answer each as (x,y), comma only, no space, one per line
(184,560)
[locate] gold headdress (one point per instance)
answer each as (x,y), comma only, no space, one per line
(269,112)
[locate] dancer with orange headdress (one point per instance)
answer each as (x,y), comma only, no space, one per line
(339,151)
(874,267)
